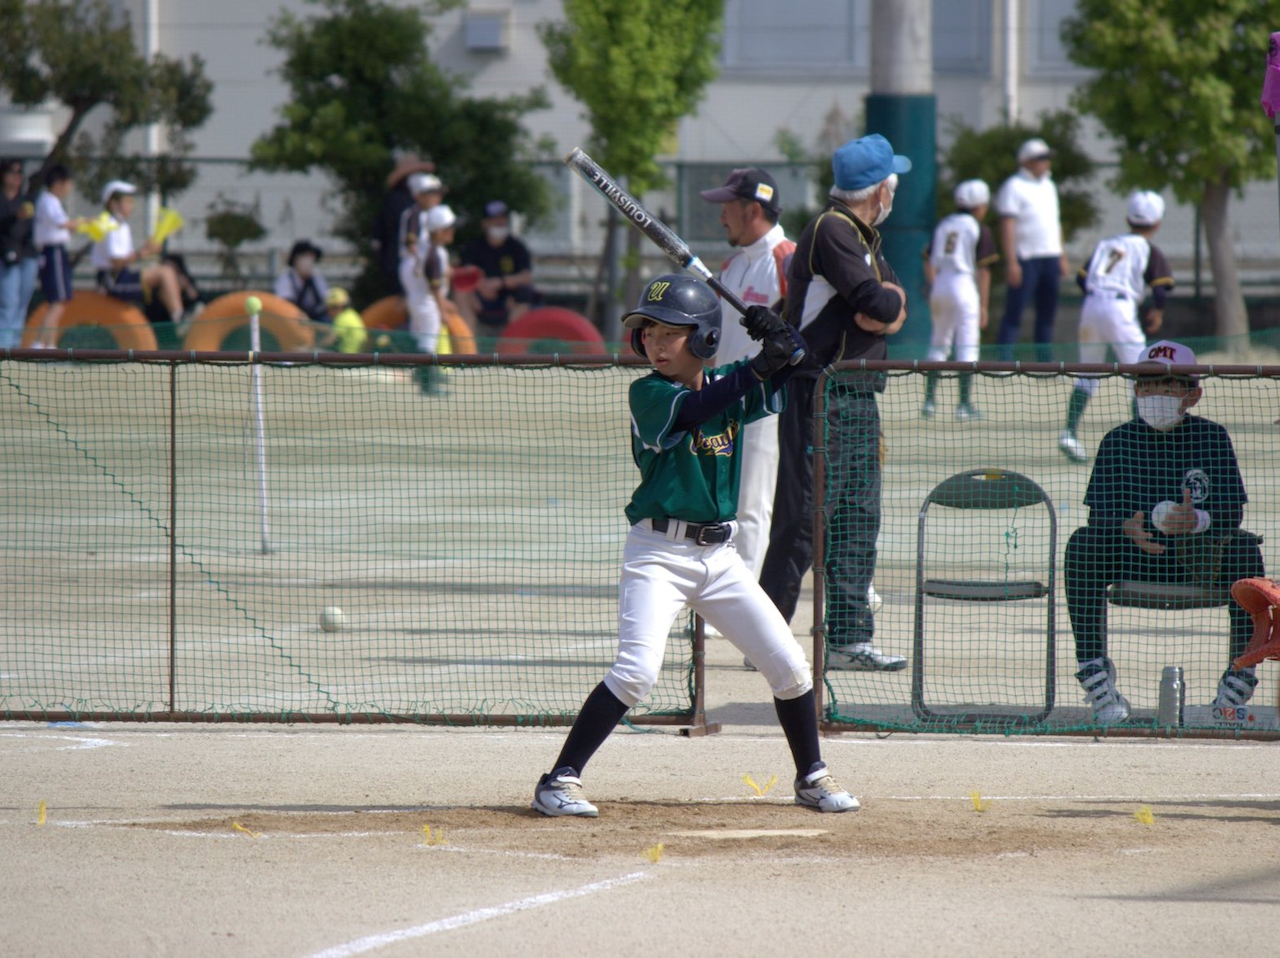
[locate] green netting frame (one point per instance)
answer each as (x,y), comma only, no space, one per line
(974,591)
(471,536)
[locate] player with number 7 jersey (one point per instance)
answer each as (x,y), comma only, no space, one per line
(1114,280)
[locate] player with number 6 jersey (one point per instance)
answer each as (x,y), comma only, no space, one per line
(958,267)
(1114,280)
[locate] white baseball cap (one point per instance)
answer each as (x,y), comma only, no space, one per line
(114,187)
(440,218)
(972,193)
(1034,149)
(1170,354)
(424,183)
(1145,208)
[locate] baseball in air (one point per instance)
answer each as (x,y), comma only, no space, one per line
(252,305)
(331,619)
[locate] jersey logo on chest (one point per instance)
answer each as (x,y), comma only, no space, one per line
(715,444)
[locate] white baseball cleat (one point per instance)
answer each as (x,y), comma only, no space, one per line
(819,790)
(1071,447)
(560,793)
(873,599)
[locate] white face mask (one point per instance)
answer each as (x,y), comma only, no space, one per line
(892,186)
(497,234)
(1160,412)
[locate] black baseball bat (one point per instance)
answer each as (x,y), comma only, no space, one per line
(662,235)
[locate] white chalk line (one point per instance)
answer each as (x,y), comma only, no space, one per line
(372,942)
(81,741)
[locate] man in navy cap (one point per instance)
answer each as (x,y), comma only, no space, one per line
(846,299)
(506,291)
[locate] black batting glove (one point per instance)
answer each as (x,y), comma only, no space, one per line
(778,350)
(761,321)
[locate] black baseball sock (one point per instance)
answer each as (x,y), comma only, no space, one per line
(930,386)
(966,380)
(1075,411)
(799,720)
(600,714)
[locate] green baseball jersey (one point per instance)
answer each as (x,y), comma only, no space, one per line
(693,474)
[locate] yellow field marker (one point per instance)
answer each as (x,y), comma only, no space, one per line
(980,804)
(240,828)
(654,853)
(760,790)
(1144,815)
(430,839)
(40,813)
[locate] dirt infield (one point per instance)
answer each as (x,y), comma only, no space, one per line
(396,841)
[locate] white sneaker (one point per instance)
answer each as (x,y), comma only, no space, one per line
(873,599)
(862,657)
(928,410)
(1235,688)
(1071,447)
(819,790)
(967,413)
(1097,677)
(560,793)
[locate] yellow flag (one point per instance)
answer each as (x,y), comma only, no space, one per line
(167,223)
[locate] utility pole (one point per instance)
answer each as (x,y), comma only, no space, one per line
(901,107)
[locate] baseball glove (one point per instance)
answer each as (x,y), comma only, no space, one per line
(1259,597)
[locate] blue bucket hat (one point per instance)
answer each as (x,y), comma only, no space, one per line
(865,162)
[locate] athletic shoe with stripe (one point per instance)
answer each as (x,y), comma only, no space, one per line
(1097,678)
(560,793)
(1235,688)
(819,790)
(862,657)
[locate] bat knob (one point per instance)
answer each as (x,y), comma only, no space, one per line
(796,358)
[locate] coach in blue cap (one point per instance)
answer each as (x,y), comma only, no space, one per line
(846,299)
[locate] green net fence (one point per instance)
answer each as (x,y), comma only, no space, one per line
(1014,610)
(168,551)
(174,530)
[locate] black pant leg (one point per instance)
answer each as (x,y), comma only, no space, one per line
(790,552)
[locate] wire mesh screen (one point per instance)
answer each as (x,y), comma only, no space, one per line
(169,550)
(1037,585)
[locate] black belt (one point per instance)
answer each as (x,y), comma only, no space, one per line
(1110,294)
(703,533)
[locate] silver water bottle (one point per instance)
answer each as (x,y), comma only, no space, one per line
(1173,696)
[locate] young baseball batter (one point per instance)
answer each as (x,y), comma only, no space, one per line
(686,422)
(1113,281)
(958,265)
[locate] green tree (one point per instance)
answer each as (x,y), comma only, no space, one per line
(1176,83)
(638,66)
(81,54)
(990,155)
(363,87)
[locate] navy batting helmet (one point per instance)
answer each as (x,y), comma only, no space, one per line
(678,300)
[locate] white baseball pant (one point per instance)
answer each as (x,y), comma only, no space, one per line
(755,490)
(664,572)
(1108,319)
(424,310)
(955,307)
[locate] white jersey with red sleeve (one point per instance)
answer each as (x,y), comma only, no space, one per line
(757,275)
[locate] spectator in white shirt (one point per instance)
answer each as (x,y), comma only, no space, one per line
(113,257)
(1031,242)
(52,235)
